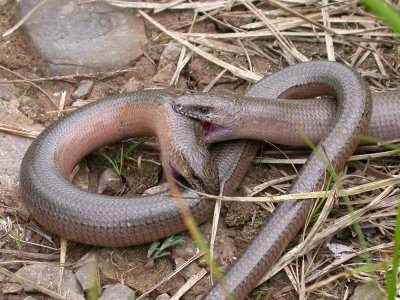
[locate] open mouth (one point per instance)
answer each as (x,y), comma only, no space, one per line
(179,177)
(191,182)
(210,128)
(207,126)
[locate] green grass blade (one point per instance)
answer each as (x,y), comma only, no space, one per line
(392,275)
(332,172)
(389,14)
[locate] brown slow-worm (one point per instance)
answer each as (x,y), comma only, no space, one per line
(99,220)
(281,121)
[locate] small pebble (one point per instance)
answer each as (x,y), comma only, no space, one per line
(190,270)
(164,296)
(170,54)
(87,275)
(118,291)
(83,90)
(165,74)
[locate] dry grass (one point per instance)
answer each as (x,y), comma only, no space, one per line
(290,21)
(281,33)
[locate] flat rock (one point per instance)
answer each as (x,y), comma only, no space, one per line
(165,74)
(88,275)
(118,291)
(13,147)
(190,270)
(7,93)
(44,275)
(170,54)
(82,38)
(161,188)
(71,288)
(83,90)
(12,151)
(185,250)
(367,291)
(110,180)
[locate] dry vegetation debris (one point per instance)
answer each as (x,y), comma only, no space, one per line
(246,40)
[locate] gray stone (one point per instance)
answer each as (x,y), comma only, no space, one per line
(161,188)
(118,291)
(13,147)
(190,270)
(164,296)
(44,275)
(367,291)
(12,151)
(71,286)
(81,38)
(109,180)
(165,74)
(170,54)
(83,90)
(7,92)
(88,275)
(185,250)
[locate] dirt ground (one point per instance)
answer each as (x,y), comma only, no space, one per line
(241,221)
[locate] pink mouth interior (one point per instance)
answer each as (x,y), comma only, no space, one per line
(209,127)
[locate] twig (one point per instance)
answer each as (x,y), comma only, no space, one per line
(167,5)
(285,44)
(23,20)
(192,259)
(28,81)
(26,132)
(303,160)
(63,255)
(328,37)
(22,254)
(244,74)
(310,195)
(188,284)
(201,6)
(315,23)
(341,223)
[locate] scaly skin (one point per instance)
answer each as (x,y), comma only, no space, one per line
(102,220)
(109,221)
(233,117)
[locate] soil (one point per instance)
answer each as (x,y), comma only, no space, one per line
(243,221)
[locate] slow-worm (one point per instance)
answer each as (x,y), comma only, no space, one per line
(108,221)
(78,215)
(280,121)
